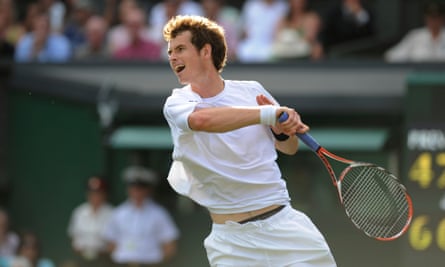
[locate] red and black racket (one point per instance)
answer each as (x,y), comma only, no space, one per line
(373,198)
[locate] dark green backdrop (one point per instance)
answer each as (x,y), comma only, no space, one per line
(56,144)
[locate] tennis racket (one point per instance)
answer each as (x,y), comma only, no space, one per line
(374,199)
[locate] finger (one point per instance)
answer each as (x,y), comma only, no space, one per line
(302,128)
(264,100)
(260,100)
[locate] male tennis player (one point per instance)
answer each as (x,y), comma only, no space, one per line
(225,138)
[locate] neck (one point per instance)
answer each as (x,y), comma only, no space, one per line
(209,86)
(95,207)
(139,203)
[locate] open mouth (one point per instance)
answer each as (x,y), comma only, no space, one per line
(179,68)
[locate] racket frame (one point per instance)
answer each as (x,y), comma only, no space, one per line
(324,154)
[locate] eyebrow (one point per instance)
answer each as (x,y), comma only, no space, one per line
(169,51)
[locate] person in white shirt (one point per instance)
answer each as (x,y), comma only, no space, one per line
(259,19)
(87,223)
(141,232)
(425,44)
(225,139)
(165,9)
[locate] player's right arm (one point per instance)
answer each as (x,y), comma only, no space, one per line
(223,119)
(188,114)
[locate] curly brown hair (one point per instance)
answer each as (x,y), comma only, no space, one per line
(204,31)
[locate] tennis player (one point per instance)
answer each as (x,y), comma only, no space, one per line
(225,136)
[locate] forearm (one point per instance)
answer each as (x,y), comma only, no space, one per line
(289,146)
(223,119)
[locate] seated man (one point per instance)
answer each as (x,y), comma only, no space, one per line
(42,45)
(422,44)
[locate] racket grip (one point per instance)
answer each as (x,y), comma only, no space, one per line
(305,137)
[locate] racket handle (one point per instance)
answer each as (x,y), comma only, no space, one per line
(305,137)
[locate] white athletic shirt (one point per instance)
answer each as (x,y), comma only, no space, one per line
(86,226)
(140,232)
(228,172)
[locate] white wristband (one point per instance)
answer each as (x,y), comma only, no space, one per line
(268,114)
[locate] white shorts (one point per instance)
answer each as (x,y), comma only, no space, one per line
(287,239)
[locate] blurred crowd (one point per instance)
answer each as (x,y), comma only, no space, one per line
(139,232)
(257,31)
(19,250)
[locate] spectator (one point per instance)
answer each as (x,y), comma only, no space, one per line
(119,35)
(29,253)
(139,47)
(87,223)
(105,8)
(32,11)
(423,44)
(9,240)
(259,21)
(42,45)
(96,46)
(141,231)
(297,33)
(228,18)
(347,20)
(75,27)
(10,31)
(56,11)
(165,9)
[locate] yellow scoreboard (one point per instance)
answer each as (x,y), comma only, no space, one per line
(424,169)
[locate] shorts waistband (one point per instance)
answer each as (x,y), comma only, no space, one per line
(238,217)
(263,216)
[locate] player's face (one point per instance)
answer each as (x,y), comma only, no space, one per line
(185,60)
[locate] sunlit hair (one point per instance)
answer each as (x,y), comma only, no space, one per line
(203,31)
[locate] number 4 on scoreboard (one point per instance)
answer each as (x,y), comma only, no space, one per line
(424,168)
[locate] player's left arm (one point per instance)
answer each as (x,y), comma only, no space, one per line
(285,143)
(288,146)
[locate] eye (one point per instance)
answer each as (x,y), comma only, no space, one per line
(180,49)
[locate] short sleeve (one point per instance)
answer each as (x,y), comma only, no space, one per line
(178,107)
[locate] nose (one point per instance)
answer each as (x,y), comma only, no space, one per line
(172,56)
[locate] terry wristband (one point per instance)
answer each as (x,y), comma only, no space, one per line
(268,114)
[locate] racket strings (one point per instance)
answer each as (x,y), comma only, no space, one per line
(375,201)
(386,221)
(386,218)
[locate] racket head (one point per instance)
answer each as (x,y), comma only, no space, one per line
(375,201)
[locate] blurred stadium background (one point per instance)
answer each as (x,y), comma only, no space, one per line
(52,137)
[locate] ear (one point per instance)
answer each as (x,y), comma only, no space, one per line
(206,50)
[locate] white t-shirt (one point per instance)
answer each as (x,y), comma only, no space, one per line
(86,226)
(227,172)
(418,46)
(259,19)
(139,233)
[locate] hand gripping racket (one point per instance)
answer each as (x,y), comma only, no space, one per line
(374,199)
